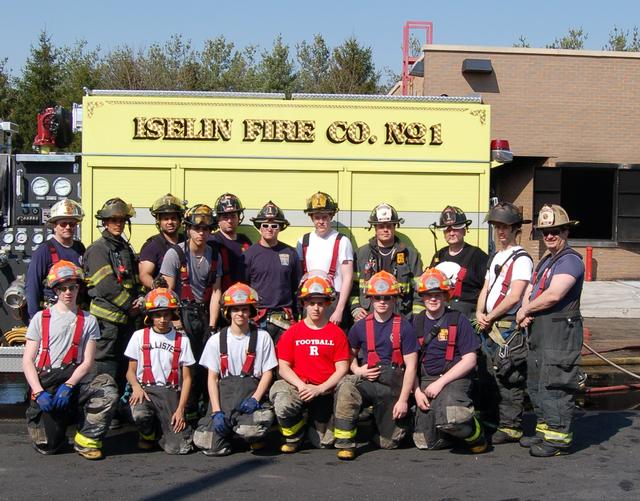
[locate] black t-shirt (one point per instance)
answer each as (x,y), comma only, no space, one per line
(472,258)
(232,255)
(154,250)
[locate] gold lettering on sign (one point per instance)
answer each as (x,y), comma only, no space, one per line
(277,131)
(212,129)
(412,133)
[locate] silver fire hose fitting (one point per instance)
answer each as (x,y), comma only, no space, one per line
(15,296)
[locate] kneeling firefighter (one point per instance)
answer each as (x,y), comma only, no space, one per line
(445,411)
(57,362)
(386,378)
(240,360)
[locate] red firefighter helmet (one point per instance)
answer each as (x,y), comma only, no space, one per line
(433,280)
(382,283)
(63,271)
(161,299)
(316,286)
(239,294)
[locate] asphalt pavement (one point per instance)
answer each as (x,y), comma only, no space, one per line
(604,466)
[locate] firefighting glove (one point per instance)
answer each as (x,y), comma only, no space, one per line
(45,401)
(220,424)
(248,406)
(61,400)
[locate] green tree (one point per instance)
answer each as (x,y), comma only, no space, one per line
(313,60)
(276,72)
(623,40)
(522,42)
(37,88)
(7,94)
(215,62)
(170,66)
(120,70)
(574,40)
(352,70)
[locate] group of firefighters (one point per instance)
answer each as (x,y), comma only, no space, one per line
(207,340)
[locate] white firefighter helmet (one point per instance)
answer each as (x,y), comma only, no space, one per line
(66,209)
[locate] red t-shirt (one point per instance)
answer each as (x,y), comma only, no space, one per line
(313,353)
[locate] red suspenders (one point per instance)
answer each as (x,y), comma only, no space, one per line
(372,356)
(44,361)
(147,373)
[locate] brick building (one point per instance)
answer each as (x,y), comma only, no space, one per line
(572,121)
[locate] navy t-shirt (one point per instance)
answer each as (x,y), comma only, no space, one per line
(569,264)
(154,249)
(467,341)
(232,254)
(274,272)
(38,269)
(382,335)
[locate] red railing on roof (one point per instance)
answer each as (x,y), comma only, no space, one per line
(407,59)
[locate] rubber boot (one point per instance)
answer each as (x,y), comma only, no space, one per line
(506,435)
(542,450)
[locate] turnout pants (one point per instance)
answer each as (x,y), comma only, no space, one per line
(195,322)
(91,405)
(555,341)
(502,377)
(354,392)
(153,420)
(110,348)
(249,427)
(296,416)
(451,415)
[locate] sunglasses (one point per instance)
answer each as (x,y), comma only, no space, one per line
(67,224)
(65,288)
(382,298)
(553,232)
(272,226)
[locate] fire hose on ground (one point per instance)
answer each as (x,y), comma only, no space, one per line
(606,389)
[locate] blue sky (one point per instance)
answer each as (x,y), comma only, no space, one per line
(375,23)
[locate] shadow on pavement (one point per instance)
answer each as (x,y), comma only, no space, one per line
(206,482)
(597,428)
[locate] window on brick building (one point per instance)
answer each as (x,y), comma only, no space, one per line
(605,198)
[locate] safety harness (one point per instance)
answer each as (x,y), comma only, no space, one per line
(518,253)
(247,367)
(545,274)
(53,250)
(452,334)
(44,361)
(147,373)
(462,272)
(334,256)
(373,358)
(186,292)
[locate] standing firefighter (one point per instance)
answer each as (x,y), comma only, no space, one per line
(386,344)
(57,362)
(112,272)
(462,263)
(385,252)
(551,311)
(443,395)
(272,268)
(168,211)
(229,215)
(313,356)
(64,217)
(160,377)
(504,345)
(328,251)
(240,359)
(193,270)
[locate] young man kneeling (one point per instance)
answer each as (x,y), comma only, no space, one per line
(449,345)
(313,357)
(63,341)
(160,377)
(240,359)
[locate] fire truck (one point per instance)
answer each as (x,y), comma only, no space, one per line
(418,154)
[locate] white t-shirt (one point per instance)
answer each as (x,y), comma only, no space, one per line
(320,252)
(522,270)
(61,329)
(237,353)
(161,354)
